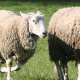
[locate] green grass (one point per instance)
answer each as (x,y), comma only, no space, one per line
(39,67)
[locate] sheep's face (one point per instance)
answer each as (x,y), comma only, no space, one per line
(37,24)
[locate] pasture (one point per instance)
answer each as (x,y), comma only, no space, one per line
(39,67)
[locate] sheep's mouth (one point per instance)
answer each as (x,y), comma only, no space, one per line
(44,35)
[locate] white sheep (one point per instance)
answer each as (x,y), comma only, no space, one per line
(6,14)
(18,38)
(64,39)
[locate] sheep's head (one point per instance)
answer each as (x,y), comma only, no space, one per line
(36,23)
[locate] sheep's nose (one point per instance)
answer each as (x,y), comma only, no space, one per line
(45,34)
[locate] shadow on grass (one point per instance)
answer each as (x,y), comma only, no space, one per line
(45,0)
(42,2)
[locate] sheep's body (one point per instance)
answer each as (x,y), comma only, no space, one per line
(17,39)
(64,37)
(10,42)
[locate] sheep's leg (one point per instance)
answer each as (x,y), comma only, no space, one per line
(17,67)
(3,69)
(65,71)
(9,64)
(78,71)
(7,69)
(0,68)
(60,74)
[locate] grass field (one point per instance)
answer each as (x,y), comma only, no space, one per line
(39,67)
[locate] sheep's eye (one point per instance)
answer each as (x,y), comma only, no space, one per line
(34,21)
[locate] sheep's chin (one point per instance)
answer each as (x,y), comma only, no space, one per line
(42,36)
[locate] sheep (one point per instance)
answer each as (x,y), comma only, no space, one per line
(64,39)
(8,14)
(18,38)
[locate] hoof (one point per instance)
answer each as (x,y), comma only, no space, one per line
(9,78)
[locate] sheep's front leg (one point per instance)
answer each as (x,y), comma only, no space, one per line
(17,67)
(0,68)
(79,71)
(65,71)
(60,74)
(9,64)
(7,69)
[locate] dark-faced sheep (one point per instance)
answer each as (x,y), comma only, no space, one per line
(64,39)
(18,38)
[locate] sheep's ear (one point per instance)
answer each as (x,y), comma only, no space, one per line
(23,14)
(38,12)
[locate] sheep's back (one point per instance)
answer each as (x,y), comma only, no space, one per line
(4,14)
(64,33)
